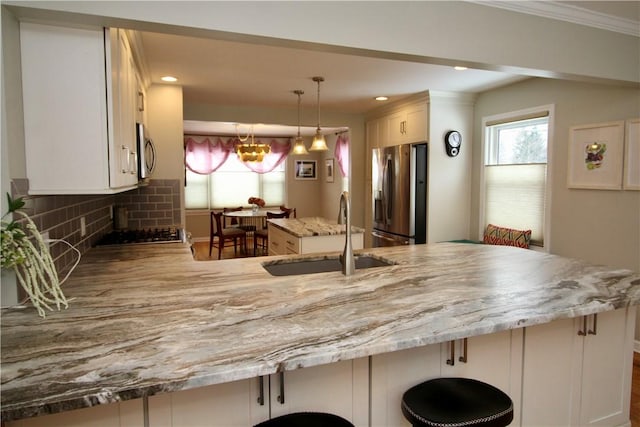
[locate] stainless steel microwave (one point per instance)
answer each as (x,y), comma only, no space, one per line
(146,152)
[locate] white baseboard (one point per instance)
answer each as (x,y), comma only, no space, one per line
(636,346)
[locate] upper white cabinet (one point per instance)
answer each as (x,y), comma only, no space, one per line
(408,125)
(79,97)
(401,123)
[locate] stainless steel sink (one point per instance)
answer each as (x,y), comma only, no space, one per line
(325,265)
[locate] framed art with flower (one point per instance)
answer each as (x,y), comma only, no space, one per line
(596,156)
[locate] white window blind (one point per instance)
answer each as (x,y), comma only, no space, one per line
(232,185)
(515,174)
(515,197)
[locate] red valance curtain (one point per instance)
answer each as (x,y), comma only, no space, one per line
(341,153)
(203,156)
(279,150)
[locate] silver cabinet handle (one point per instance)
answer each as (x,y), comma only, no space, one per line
(452,358)
(140,101)
(594,331)
(281,396)
(463,358)
(583,331)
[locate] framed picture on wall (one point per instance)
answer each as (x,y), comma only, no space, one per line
(632,155)
(306,169)
(596,156)
(329,169)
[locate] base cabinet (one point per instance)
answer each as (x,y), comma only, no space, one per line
(571,372)
(495,359)
(578,371)
(340,388)
(283,243)
(127,413)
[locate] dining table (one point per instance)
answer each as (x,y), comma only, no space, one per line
(251,219)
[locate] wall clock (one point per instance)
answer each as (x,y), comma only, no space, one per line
(452,143)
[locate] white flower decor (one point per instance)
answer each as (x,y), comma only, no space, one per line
(24,251)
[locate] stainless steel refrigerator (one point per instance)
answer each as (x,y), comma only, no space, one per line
(399,183)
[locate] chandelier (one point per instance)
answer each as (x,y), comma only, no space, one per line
(250,151)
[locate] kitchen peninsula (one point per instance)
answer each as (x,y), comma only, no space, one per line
(147,320)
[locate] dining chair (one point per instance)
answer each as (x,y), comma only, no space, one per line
(224,235)
(292,211)
(235,222)
(263,234)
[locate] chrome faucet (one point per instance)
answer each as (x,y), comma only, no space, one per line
(344,217)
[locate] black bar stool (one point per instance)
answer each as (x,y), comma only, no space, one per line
(456,402)
(306,419)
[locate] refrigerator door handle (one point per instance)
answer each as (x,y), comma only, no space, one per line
(388,189)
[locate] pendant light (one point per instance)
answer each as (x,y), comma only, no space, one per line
(319,143)
(298,146)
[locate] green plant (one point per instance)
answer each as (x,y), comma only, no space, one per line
(25,251)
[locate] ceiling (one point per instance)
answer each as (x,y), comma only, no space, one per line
(241,74)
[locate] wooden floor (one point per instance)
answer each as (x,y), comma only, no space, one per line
(201,251)
(202,254)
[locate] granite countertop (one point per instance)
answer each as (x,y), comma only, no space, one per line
(312,226)
(145,319)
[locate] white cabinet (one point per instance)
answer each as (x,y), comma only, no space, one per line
(79,132)
(127,413)
(283,243)
(233,404)
(578,371)
(340,388)
(408,125)
(494,358)
(404,124)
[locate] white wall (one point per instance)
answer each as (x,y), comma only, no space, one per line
(442,32)
(165,123)
(449,197)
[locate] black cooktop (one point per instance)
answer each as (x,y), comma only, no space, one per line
(151,235)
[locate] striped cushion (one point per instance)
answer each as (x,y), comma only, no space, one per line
(495,235)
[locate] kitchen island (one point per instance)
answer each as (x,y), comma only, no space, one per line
(308,235)
(147,319)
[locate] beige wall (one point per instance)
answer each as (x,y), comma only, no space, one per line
(599,226)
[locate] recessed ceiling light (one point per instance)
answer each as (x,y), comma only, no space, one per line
(381,98)
(168,79)
(459,68)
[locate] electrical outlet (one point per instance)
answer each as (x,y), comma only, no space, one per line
(83,226)
(45,237)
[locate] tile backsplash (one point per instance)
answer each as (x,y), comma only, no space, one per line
(155,205)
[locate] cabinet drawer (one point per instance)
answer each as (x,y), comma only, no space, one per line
(282,243)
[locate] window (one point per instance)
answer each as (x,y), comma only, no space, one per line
(232,184)
(515,172)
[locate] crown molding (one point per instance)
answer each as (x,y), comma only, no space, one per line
(568,13)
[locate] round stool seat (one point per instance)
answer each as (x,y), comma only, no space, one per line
(306,419)
(456,402)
